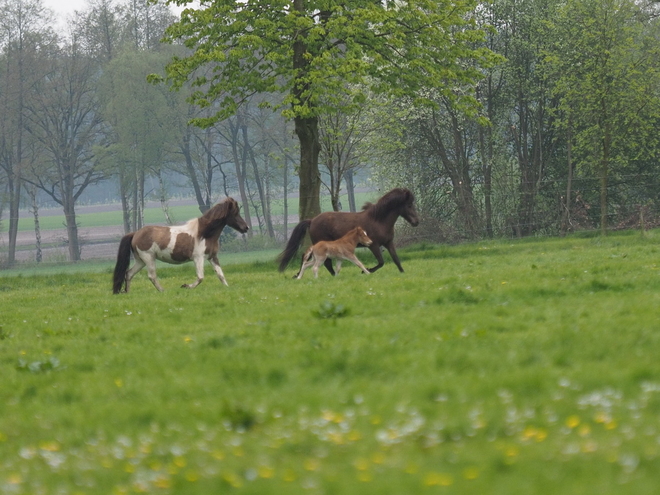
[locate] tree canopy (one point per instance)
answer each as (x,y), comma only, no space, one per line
(312,51)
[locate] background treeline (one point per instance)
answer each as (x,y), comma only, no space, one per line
(566,137)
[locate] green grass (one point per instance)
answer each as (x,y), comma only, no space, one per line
(496,367)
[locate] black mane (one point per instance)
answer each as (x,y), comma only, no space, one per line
(390,201)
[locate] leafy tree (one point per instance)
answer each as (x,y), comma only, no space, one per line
(607,60)
(310,51)
(346,146)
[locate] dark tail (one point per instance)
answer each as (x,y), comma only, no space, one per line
(296,239)
(123,260)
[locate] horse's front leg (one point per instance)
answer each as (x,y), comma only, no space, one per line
(218,271)
(375,248)
(199,269)
(395,257)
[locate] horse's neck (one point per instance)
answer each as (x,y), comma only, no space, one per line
(353,241)
(391,218)
(214,233)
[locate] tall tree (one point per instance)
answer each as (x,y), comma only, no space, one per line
(311,50)
(345,147)
(65,117)
(143,124)
(24,38)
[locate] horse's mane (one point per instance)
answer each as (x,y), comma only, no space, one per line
(215,217)
(390,201)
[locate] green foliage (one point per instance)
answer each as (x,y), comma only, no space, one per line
(313,54)
(495,367)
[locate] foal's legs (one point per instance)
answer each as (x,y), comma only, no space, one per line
(357,262)
(137,266)
(318,260)
(199,269)
(307,262)
(218,271)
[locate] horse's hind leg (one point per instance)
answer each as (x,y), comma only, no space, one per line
(328,265)
(151,271)
(137,266)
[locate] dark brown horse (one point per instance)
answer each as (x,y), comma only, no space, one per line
(377,219)
(196,240)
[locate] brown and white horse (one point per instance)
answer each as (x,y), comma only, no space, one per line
(196,240)
(341,249)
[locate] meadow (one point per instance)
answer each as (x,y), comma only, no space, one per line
(499,367)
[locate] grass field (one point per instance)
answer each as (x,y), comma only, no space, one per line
(524,367)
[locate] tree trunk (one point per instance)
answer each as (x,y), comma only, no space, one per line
(260,186)
(240,176)
(566,214)
(307,129)
(486,145)
(37,229)
(350,190)
(71,229)
(604,170)
(14,207)
(202,202)
(309,200)
(285,180)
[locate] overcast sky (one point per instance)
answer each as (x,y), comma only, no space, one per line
(64,7)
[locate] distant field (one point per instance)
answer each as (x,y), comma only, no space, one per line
(512,368)
(178,213)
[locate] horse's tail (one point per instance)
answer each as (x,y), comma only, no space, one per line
(296,239)
(123,260)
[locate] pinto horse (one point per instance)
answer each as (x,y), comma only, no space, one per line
(196,240)
(341,249)
(378,219)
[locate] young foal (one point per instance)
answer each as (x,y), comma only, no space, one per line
(197,240)
(341,249)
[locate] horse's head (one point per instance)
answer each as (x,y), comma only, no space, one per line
(362,237)
(234,218)
(408,211)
